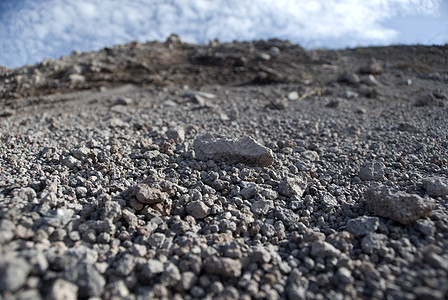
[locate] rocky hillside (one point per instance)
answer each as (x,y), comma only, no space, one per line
(253,170)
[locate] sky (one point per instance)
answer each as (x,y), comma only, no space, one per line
(31,30)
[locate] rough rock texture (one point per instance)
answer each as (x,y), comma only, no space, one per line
(244,150)
(398,206)
(102,194)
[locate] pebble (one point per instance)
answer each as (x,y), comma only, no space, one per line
(62,290)
(244,150)
(324,249)
(292,186)
(198,209)
(372,171)
(14,272)
(223,266)
(363,225)
(436,187)
(89,281)
(396,205)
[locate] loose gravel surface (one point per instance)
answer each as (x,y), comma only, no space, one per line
(298,189)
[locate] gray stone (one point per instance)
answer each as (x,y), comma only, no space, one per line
(111,211)
(171,274)
(293,96)
(148,195)
(249,191)
(428,99)
(436,187)
(177,134)
(62,290)
(198,209)
(373,242)
(244,150)
(328,201)
(187,281)
(260,255)
(13,273)
(373,67)
(89,281)
(288,217)
(426,226)
(324,249)
(124,265)
(396,205)
(223,266)
(362,225)
(292,186)
(262,207)
(344,275)
(124,101)
(6,231)
(58,217)
(152,268)
(372,171)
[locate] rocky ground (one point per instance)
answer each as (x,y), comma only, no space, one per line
(228,171)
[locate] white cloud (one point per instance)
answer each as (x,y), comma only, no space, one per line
(40,29)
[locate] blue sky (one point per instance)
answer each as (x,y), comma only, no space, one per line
(31,30)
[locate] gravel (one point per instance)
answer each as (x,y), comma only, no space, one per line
(303,191)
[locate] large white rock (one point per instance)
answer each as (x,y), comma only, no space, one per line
(244,150)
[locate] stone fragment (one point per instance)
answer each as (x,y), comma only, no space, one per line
(436,187)
(249,191)
(372,171)
(111,211)
(58,217)
(425,226)
(223,266)
(260,255)
(177,134)
(198,209)
(187,281)
(350,78)
(124,101)
(262,207)
(373,67)
(396,205)
(363,225)
(328,201)
(148,195)
(292,186)
(293,96)
(62,290)
(324,249)
(288,217)
(244,150)
(428,99)
(13,273)
(89,281)
(6,231)
(373,242)
(152,268)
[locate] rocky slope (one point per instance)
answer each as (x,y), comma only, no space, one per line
(229,171)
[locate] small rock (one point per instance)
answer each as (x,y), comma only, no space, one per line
(436,187)
(372,171)
(426,226)
(177,134)
(328,201)
(76,79)
(373,242)
(363,225)
(374,67)
(292,186)
(288,217)
(148,195)
(324,249)
(350,78)
(198,209)
(260,255)
(344,275)
(398,206)
(369,80)
(89,281)
(223,266)
(293,96)
(262,207)
(244,150)
(428,99)
(152,268)
(62,290)
(13,273)
(124,101)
